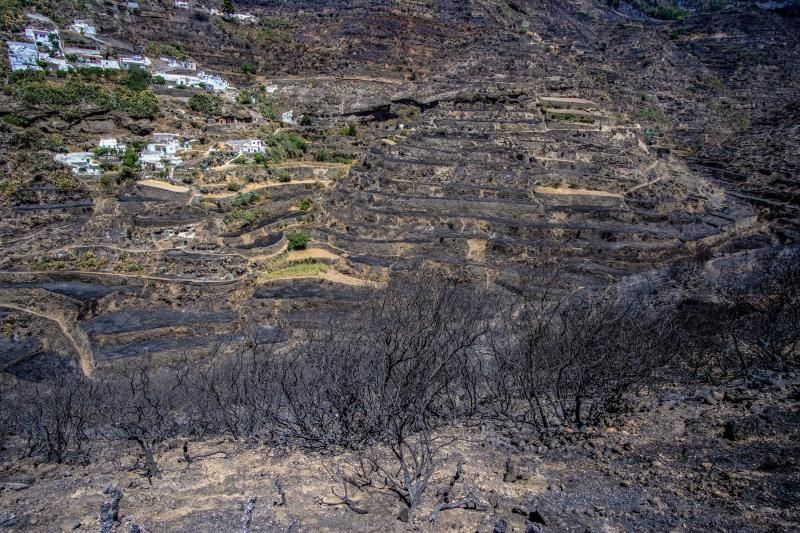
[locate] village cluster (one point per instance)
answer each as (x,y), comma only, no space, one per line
(160,153)
(43,49)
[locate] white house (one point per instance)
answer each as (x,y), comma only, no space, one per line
(91,169)
(174,80)
(185,64)
(82,163)
(287,117)
(183,4)
(111,144)
(83,27)
(210,82)
(89,61)
(245,17)
(132,6)
(42,36)
(164,143)
(215,83)
(22,56)
(127,62)
(158,160)
(246,146)
(56,63)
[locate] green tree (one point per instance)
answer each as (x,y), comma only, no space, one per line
(298,240)
(228,7)
(137,78)
(208,104)
(249,69)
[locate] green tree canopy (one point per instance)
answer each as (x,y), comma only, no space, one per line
(137,78)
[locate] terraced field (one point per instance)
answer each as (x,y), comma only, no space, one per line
(487,139)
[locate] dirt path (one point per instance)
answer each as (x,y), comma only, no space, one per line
(84,353)
(250,187)
(329,275)
(130,276)
(311,253)
(149,250)
(369,79)
(575,192)
(649,167)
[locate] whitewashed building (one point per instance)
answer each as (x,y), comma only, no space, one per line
(98,62)
(287,117)
(247,18)
(81,163)
(246,146)
(54,63)
(111,144)
(158,160)
(210,82)
(183,4)
(215,83)
(43,37)
(164,143)
(185,64)
(23,56)
(83,27)
(127,62)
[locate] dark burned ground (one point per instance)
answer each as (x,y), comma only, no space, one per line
(686,459)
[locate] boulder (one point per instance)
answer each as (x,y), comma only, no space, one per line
(96,126)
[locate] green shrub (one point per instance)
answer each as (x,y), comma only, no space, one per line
(131,158)
(350,130)
(7,188)
(208,104)
(126,174)
(298,240)
(137,78)
(323,155)
(63,180)
(89,261)
(132,266)
(12,119)
(306,204)
(69,98)
(234,186)
(283,176)
(249,69)
(243,216)
(141,104)
(285,146)
(165,49)
(244,199)
(12,15)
